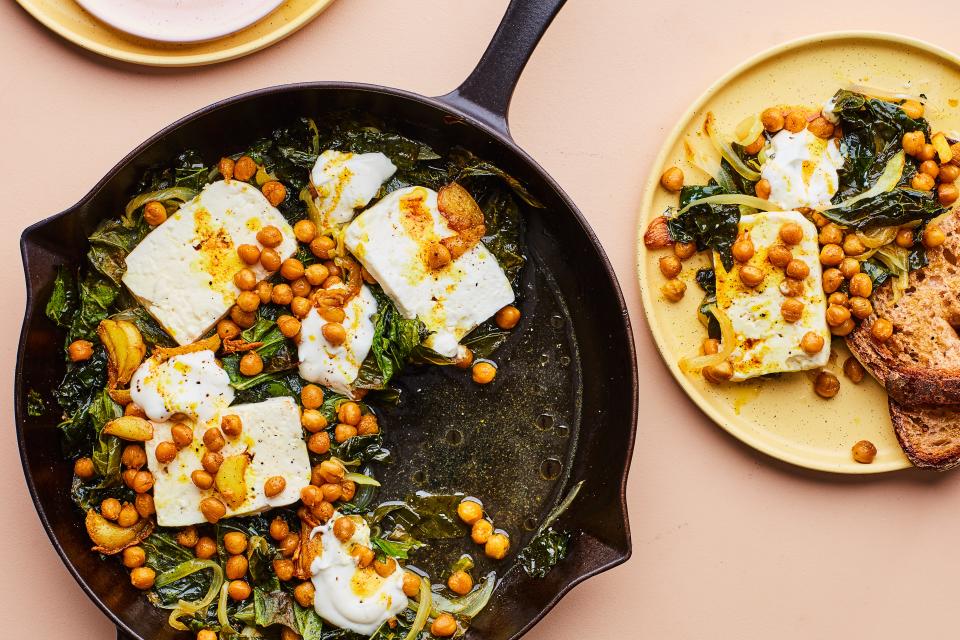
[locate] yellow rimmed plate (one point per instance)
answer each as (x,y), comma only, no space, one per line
(783,417)
(70,21)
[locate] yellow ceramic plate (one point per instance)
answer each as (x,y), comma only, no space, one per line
(783,417)
(66,18)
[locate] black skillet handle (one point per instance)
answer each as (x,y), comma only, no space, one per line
(486,93)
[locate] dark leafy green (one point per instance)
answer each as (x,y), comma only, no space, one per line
(422,516)
(187,170)
(107,450)
(396,548)
(36,405)
(63,299)
(878,272)
(896,207)
(394,339)
(81,383)
(707,280)
(96,293)
(153,334)
(164,554)
(279,608)
(368,448)
(709,226)
(111,242)
(544,552)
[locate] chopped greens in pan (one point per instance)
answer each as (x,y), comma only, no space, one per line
(230,335)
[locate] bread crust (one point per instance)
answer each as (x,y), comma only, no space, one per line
(928,434)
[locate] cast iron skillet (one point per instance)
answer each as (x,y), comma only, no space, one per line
(585,301)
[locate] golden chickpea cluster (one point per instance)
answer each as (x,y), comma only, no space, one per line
(496,544)
(938,159)
(671,266)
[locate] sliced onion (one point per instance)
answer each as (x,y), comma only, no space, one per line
(882,94)
(470,604)
(423,610)
(876,238)
(183,607)
(733,198)
(173,193)
(886,182)
(710,126)
(222,616)
(704,158)
(728,342)
(749,129)
(360,478)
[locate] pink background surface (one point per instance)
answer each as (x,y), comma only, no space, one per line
(727,543)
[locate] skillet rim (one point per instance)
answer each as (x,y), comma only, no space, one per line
(442,105)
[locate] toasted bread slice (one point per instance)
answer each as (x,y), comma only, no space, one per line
(928,434)
(920,364)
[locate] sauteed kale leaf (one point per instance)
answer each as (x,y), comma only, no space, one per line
(710,226)
(544,552)
(63,299)
(896,207)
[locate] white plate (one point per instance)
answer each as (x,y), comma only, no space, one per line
(180,20)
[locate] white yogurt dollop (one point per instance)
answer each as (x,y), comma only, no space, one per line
(345,182)
(801,169)
(191,383)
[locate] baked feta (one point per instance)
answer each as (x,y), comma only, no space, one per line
(271,434)
(345,182)
(766,343)
(391,239)
(182,272)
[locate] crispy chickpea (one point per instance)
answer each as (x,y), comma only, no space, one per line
(913,109)
(205,548)
(750,275)
(270,236)
(684,250)
(251,363)
(279,529)
(227,329)
(248,301)
(289,545)
(202,479)
(838,297)
(274,486)
(364,555)
(343,432)
(236,567)
(331,492)
(795,121)
(344,529)
(830,234)
(332,268)
(673,290)
(212,509)
(930,167)
(165,452)
(443,626)
(249,253)
(464,358)
(235,542)
(303,594)
(772,119)
(134,557)
(314,422)
(947,194)
(348,489)
(188,537)
(133,409)
(849,267)
(142,578)
(333,314)
(245,279)
(349,413)
(284,569)
(239,590)
(367,276)
(709,347)
(933,236)
(311,495)
(384,567)
(291,269)
(864,452)
(282,295)
(821,127)
(288,325)
(949,173)
(128,477)
(670,266)
(754,147)
(311,396)
(182,435)
(244,319)
(797,269)
(718,373)
(322,511)
(497,546)
(213,439)
(791,287)
(274,192)
(323,247)
(508,317)
(211,462)
(912,142)
(154,213)
(852,246)
(481,531)
(334,333)
(128,516)
(225,167)
(300,306)
(860,307)
(881,330)
(316,274)
(853,369)
(922,182)
(672,179)
(232,425)
(110,508)
(270,259)
(206,634)
(837,315)
(411,584)
(927,152)
(791,310)
(779,255)
(791,233)
(331,282)
(826,384)
(811,342)
(483,372)
(332,471)
(244,168)
(762,189)
(83,468)
(143,503)
(142,482)
(470,511)
(742,249)
(305,231)
(460,582)
(80,350)
(819,220)
(861,285)
(832,279)
(831,255)
(368,425)
(844,328)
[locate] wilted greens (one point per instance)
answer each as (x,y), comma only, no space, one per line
(710,226)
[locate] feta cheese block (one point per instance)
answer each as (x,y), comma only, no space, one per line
(391,239)
(766,343)
(347,596)
(273,438)
(182,272)
(336,367)
(345,182)
(801,169)
(191,383)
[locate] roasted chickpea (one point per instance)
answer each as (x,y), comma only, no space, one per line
(349,413)
(849,267)
(322,511)
(202,479)
(311,495)
(755,147)
(154,213)
(311,396)
(289,326)
(206,634)
(166,452)
(182,435)
(270,259)
(248,301)
(838,297)
(742,249)
(791,233)
(348,489)
(368,425)
(672,179)
(922,182)
(300,307)
(331,492)
(83,468)
(205,548)
(821,127)
(270,236)
(245,279)
(143,503)
(497,546)
(864,452)
(443,626)
(188,537)
(411,584)
(343,432)
(811,342)
(709,347)
(323,247)
(212,509)
(142,482)
(673,290)
(772,119)
(844,328)
(289,545)
(284,569)
(947,194)
(128,476)
(750,275)
(861,285)
(470,511)
(795,121)
(239,590)
(235,542)
(334,333)
(134,557)
(508,317)
(791,310)
(481,531)
(228,329)
(282,295)
(779,256)
(927,152)
(249,253)
(384,567)
(142,578)
(213,439)
(251,364)
(853,369)
(133,409)
(211,462)
(232,425)
(791,287)
(949,173)
(303,594)
(244,168)
(852,246)
(831,255)
(762,189)
(291,269)
(80,350)
(236,567)
(483,372)
(316,274)
(344,528)
(314,422)
(332,471)
(367,276)
(881,330)
(128,516)
(279,529)
(930,167)
(830,234)
(274,192)
(364,555)
(913,142)
(826,384)
(460,582)
(832,279)
(225,167)
(860,307)
(333,314)
(933,236)
(837,315)
(718,373)
(684,250)
(110,508)
(797,269)
(819,219)
(305,231)
(913,109)
(133,456)
(244,319)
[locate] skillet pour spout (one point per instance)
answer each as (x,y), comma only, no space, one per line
(560,242)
